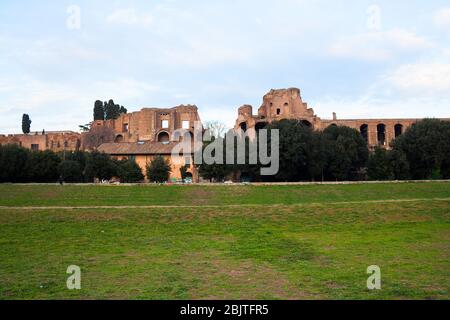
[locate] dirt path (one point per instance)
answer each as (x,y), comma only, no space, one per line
(219,206)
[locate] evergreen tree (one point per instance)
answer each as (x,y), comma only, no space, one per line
(379,166)
(346,153)
(71,171)
(123,110)
(426,146)
(43,166)
(295,149)
(112,110)
(99,111)
(158,170)
(129,171)
(26,123)
(99,165)
(14,164)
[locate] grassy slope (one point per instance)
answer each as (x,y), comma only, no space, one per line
(296,252)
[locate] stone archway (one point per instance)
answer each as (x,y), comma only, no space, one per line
(118,139)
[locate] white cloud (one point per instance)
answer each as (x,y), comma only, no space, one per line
(379,45)
(442,18)
(422,77)
(130,16)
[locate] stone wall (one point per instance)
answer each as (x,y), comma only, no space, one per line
(55,141)
(147,124)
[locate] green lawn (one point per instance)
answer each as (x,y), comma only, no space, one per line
(283,242)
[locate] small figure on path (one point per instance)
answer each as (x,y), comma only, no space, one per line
(61,180)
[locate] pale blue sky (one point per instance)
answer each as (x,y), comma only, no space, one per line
(358,58)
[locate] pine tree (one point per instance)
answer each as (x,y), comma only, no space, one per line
(99,111)
(26,123)
(158,170)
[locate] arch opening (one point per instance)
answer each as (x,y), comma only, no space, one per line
(306,123)
(163,137)
(398,128)
(118,139)
(364,130)
(381,134)
(243,126)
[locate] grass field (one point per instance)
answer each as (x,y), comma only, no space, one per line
(225,242)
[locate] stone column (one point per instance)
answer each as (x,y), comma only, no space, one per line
(372,135)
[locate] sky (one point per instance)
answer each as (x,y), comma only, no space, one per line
(360,59)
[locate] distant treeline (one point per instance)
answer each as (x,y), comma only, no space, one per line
(341,154)
(20,165)
(335,154)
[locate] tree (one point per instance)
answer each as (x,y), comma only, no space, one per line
(379,166)
(215,171)
(43,166)
(97,136)
(346,153)
(129,171)
(399,165)
(112,110)
(123,110)
(295,149)
(71,171)
(99,111)
(99,165)
(14,164)
(158,170)
(216,128)
(26,123)
(426,146)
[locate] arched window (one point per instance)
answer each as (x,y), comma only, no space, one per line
(243,126)
(364,129)
(163,137)
(381,134)
(398,128)
(119,139)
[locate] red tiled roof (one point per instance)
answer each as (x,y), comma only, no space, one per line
(137,148)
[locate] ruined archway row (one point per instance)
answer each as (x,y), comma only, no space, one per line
(376,132)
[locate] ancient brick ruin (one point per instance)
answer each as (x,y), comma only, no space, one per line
(288,104)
